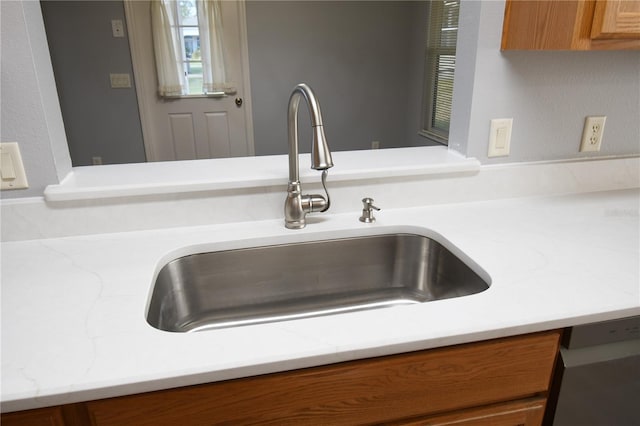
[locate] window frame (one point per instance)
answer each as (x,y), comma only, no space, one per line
(434,49)
(179,30)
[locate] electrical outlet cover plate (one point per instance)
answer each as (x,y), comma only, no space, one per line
(500,137)
(117,27)
(592,133)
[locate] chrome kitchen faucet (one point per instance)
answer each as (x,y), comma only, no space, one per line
(296,205)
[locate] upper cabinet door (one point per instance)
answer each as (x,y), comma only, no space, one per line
(571,25)
(616,19)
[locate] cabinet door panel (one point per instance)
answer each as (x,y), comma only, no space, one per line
(571,25)
(616,19)
(546,24)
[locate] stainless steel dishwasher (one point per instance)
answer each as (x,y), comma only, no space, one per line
(599,380)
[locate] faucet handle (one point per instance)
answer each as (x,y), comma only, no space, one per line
(367,210)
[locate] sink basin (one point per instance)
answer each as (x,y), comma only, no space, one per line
(290,281)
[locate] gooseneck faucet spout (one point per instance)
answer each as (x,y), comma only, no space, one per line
(297,205)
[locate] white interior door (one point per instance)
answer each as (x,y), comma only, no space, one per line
(192,127)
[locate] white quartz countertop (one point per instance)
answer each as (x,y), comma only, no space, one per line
(73,309)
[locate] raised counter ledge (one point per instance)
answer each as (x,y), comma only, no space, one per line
(73,308)
(126,180)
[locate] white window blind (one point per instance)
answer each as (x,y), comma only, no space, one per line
(440,66)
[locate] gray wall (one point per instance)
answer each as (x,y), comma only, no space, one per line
(84,53)
(363,60)
(528,86)
(548,94)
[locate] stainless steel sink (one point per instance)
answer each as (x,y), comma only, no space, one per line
(282,282)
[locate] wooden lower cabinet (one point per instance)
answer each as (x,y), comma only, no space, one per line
(497,382)
(49,416)
(515,413)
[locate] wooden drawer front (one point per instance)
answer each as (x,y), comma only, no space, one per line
(372,390)
(528,412)
(50,416)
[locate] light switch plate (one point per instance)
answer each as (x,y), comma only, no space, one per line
(500,137)
(11,167)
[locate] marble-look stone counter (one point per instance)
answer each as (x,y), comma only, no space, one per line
(73,308)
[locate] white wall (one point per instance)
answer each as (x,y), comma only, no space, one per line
(547,93)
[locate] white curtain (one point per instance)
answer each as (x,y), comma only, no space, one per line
(215,74)
(166,44)
(169,50)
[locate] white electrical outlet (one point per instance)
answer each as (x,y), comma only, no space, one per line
(592,133)
(117,27)
(375,144)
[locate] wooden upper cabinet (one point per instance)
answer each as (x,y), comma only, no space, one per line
(571,25)
(616,19)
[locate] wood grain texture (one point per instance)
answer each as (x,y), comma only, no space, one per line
(357,392)
(542,25)
(50,416)
(527,412)
(616,19)
(560,25)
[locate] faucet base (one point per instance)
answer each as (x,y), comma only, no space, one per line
(297,206)
(295,225)
(294,214)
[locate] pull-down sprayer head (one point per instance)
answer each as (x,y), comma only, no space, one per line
(320,154)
